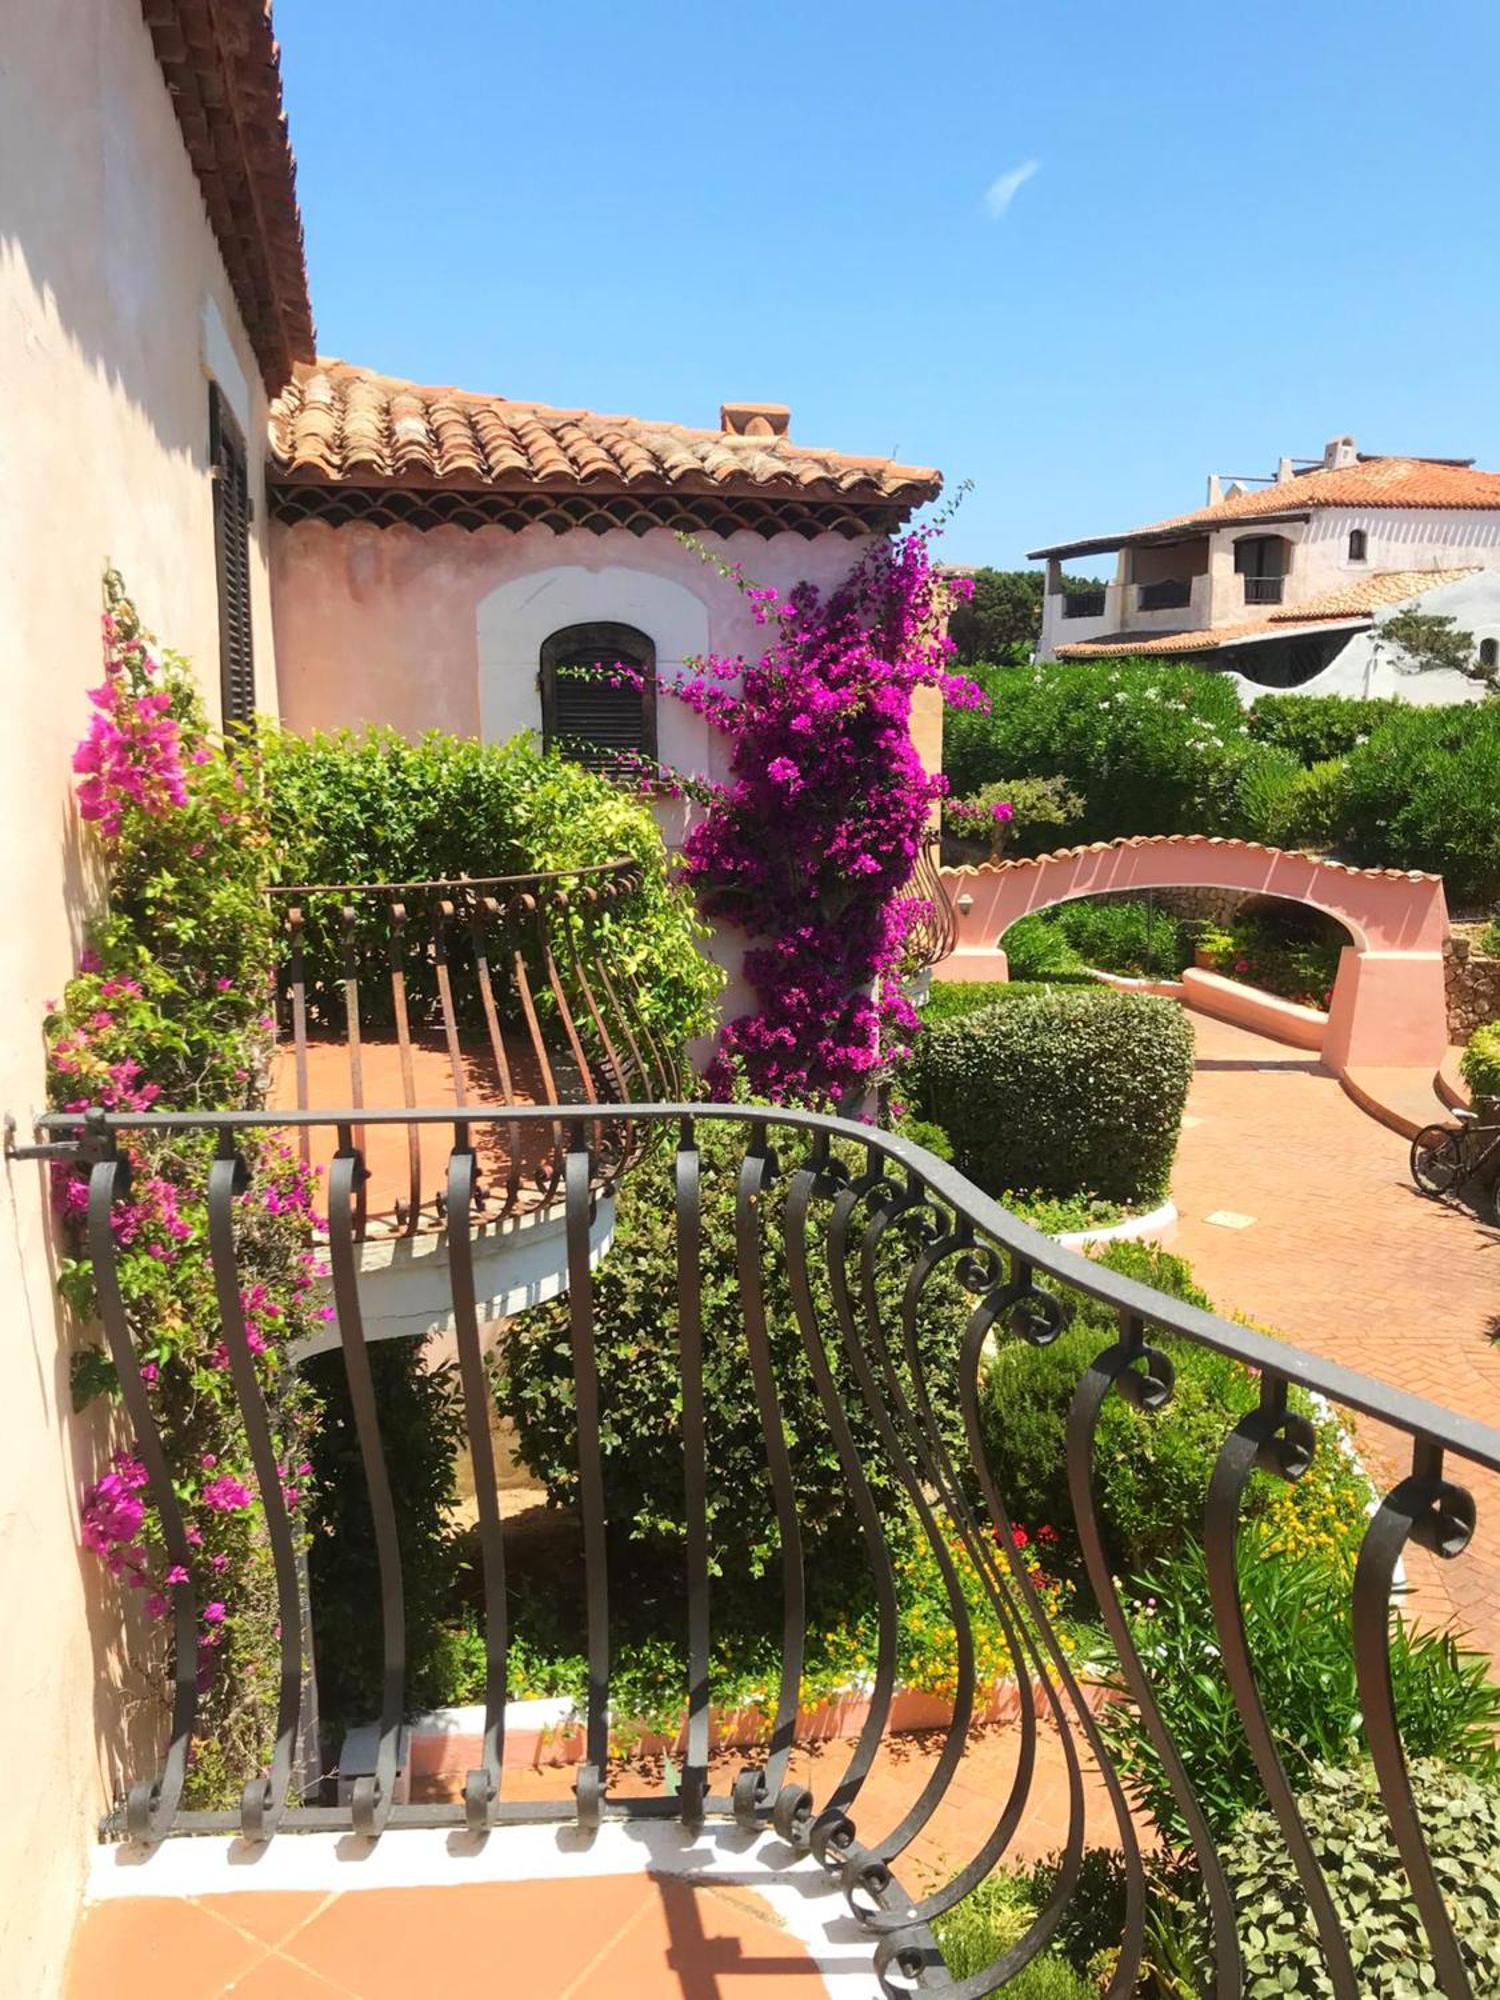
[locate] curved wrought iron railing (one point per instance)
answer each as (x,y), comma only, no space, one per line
(934,934)
(490,990)
(824,1205)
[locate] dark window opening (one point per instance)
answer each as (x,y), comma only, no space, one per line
(1357,545)
(599,719)
(230,472)
(1489,654)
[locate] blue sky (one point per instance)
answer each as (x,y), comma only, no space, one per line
(1077,252)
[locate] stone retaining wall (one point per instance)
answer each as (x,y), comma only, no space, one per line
(1473,983)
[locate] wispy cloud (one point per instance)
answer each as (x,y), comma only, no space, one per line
(1002,192)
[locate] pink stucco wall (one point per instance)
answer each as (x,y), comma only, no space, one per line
(1387,1009)
(388,625)
(114,306)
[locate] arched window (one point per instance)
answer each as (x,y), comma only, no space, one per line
(1357,545)
(589,714)
(1489,654)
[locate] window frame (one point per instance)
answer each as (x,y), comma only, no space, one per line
(233,510)
(603,636)
(1360,553)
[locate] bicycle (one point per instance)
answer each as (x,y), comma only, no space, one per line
(1446,1157)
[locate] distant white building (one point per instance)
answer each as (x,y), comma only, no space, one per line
(1289,582)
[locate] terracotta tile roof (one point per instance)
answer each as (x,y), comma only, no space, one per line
(1187,842)
(337,426)
(223,69)
(1373,482)
(1353,602)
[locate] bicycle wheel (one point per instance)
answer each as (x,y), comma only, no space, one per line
(1437,1160)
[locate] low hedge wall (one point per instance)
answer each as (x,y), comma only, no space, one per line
(1059,1090)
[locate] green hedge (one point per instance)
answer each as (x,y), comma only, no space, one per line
(1424,792)
(378,808)
(1152,747)
(1060,1090)
(1315,727)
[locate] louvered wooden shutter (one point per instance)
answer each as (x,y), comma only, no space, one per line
(231,476)
(583,716)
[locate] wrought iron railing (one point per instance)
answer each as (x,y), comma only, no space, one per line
(934,933)
(1174,595)
(825,1206)
(498,990)
(1264,589)
(1083,603)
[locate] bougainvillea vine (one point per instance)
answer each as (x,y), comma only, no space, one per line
(170,1007)
(809,847)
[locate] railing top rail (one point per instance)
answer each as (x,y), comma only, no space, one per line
(1477,1442)
(623,866)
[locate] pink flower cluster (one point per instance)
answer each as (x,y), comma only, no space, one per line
(132,754)
(810,847)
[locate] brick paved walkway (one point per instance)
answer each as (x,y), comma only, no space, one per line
(1345,1258)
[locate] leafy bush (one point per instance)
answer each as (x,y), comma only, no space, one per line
(1481,1061)
(1310,812)
(1350,1835)
(421,1427)
(1038,808)
(1318,727)
(1489,940)
(377,808)
(1122,934)
(987,1923)
(1265,781)
(1061,1090)
(636,1320)
(1151,746)
(1424,792)
(1291,952)
(1298,1617)
(1151,1468)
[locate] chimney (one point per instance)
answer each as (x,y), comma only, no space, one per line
(1283,471)
(1215,489)
(754,420)
(1339,453)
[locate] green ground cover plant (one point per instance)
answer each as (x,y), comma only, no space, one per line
(1298,1619)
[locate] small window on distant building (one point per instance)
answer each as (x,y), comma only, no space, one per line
(597,718)
(1356,545)
(231,477)
(1489,654)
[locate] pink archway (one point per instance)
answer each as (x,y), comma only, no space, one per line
(1388,1008)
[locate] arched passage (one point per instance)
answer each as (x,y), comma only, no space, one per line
(1388,1005)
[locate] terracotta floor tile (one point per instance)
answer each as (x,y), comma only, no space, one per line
(280,1978)
(393,1944)
(702,1942)
(269,1915)
(156,1948)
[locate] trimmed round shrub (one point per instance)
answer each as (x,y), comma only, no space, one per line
(1316,727)
(1424,792)
(1061,1090)
(1350,1834)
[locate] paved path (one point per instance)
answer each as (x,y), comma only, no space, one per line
(1342,1256)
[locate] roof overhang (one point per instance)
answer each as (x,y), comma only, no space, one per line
(1187,645)
(1181,531)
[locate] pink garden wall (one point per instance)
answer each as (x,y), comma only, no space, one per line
(1388,1008)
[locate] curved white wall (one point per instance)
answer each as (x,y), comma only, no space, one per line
(516,617)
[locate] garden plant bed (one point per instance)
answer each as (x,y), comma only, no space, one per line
(440,1747)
